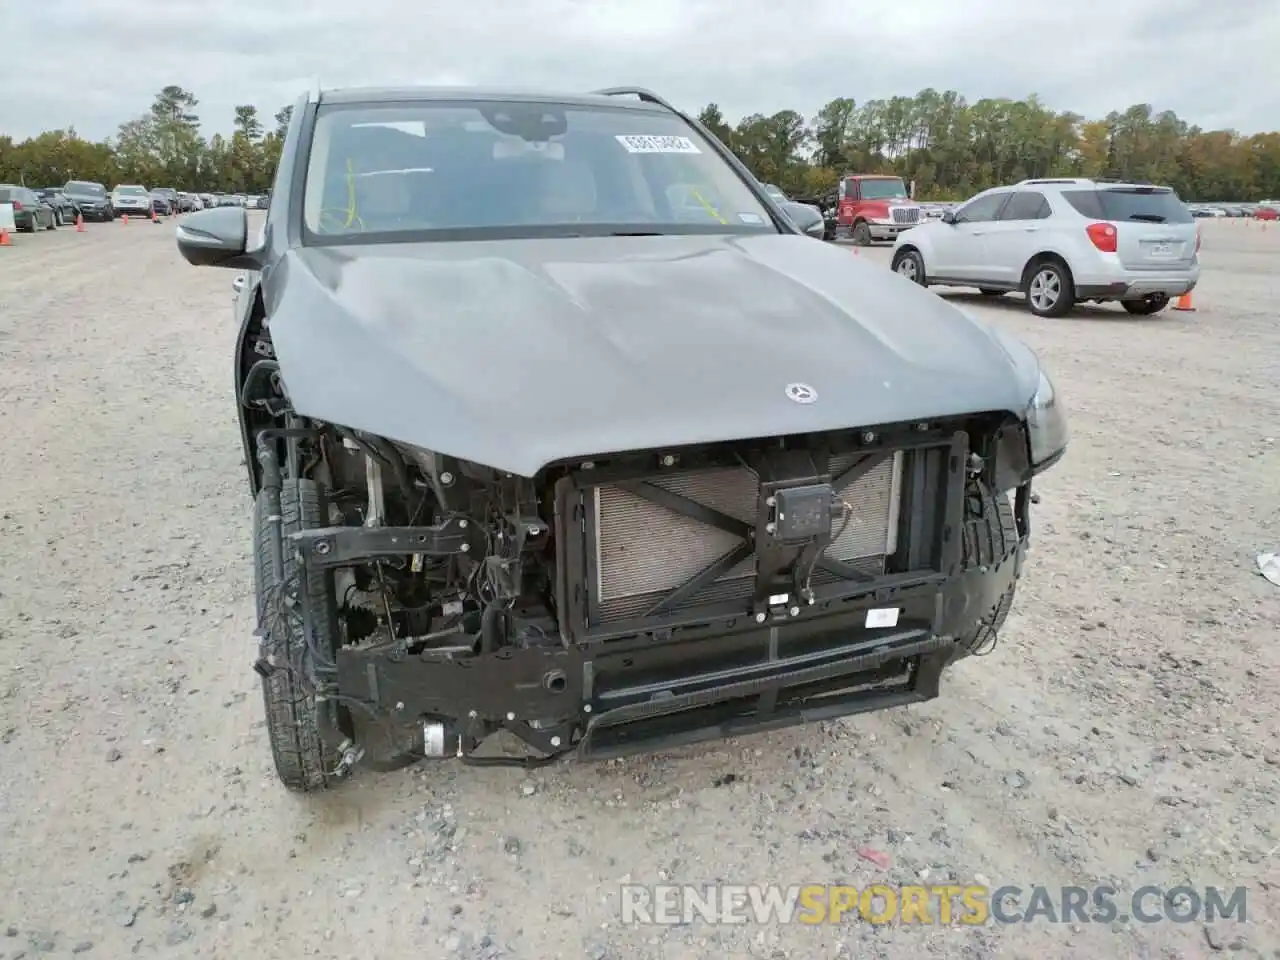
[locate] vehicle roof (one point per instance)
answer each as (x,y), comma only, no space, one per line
(427,93)
(872,176)
(1085,182)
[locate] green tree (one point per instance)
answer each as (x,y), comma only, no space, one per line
(713,120)
(283,116)
(247,122)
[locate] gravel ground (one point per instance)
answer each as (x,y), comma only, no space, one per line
(1125,730)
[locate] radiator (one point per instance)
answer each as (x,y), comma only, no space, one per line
(643,550)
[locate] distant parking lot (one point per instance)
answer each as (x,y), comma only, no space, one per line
(1125,727)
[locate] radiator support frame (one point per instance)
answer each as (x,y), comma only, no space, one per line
(929,514)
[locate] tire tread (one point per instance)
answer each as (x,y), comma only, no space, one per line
(301,758)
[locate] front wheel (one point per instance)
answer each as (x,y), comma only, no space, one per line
(1147,305)
(1050,291)
(303,761)
(909,264)
(861,235)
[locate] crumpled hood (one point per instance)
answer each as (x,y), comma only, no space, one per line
(519,353)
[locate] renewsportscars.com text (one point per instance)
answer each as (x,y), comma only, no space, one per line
(927,905)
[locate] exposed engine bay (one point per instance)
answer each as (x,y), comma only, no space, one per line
(651,597)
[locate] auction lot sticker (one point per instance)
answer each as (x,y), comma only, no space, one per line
(643,143)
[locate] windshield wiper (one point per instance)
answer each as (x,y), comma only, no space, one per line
(637,233)
(1147,217)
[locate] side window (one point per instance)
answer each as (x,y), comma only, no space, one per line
(1026,205)
(849,189)
(982,209)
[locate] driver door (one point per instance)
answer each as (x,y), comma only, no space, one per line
(960,248)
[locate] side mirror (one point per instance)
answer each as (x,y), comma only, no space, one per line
(807,218)
(216,238)
(948,216)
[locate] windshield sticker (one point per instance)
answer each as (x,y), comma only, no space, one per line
(751,218)
(643,143)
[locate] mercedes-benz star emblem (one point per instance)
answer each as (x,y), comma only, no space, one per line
(801,393)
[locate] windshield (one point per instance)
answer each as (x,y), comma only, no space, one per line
(888,188)
(86,189)
(449,170)
(131,191)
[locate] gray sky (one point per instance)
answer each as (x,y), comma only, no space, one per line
(96,63)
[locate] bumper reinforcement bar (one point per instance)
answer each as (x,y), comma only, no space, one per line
(600,741)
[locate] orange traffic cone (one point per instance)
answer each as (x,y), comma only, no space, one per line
(79,223)
(124,219)
(154,218)
(1184,303)
(4,238)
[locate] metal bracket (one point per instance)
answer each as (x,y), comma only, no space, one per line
(343,546)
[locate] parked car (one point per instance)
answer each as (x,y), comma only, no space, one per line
(170,196)
(131,199)
(583,544)
(30,213)
(1266,213)
(161,203)
(1061,242)
(91,198)
(64,208)
(775,192)
(779,197)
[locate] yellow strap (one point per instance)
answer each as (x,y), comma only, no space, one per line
(707,206)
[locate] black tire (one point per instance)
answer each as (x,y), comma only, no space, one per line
(990,534)
(1147,305)
(303,762)
(861,235)
(909,264)
(1061,277)
(991,292)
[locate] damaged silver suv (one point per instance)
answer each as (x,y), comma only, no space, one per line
(559,425)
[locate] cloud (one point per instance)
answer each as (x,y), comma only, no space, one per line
(92,64)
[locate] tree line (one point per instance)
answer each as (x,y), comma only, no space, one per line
(951,148)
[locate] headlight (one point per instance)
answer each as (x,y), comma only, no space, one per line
(1046,423)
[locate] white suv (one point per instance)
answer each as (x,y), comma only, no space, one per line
(1061,242)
